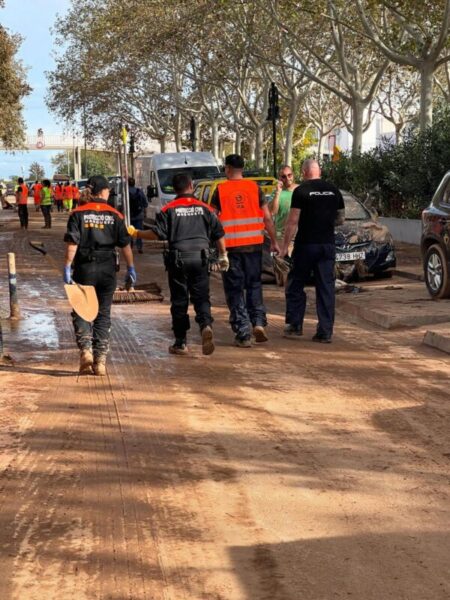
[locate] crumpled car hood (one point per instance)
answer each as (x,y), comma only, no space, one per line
(360,232)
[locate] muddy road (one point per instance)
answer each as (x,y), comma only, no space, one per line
(288,471)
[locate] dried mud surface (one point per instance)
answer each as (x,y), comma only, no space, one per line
(287,471)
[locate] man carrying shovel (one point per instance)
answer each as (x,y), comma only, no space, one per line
(94,230)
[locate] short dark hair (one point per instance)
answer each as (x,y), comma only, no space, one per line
(181,182)
(46,183)
(97,183)
(235,161)
(131,181)
(20,180)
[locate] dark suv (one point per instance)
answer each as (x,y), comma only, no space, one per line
(435,242)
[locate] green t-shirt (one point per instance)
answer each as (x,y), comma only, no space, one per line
(47,199)
(284,206)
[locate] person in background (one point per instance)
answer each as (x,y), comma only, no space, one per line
(94,230)
(67,196)
(22,202)
(37,187)
(317,207)
(46,203)
(58,195)
(138,204)
(75,194)
(280,201)
(244,214)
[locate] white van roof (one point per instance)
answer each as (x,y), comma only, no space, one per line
(175,160)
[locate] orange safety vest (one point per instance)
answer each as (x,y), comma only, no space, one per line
(67,192)
(24,194)
(58,192)
(76,192)
(37,191)
(240,214)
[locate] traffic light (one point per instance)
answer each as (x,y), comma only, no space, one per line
(131,143)
(274,109)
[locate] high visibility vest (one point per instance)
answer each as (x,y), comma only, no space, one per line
(58,192)
(24,194)
(240,214)
(67,192)
(75,192)
(37,190)
(47,196)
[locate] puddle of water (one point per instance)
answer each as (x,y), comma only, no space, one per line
(39,328)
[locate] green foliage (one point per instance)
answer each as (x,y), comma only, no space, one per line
(98,163)
(36,171)
(401,179)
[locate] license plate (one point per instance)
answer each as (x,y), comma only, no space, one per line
(349,256)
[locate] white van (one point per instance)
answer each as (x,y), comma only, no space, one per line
(154,174)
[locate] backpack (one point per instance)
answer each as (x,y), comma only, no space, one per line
(136,204)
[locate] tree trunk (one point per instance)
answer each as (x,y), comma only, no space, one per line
(214,139)
(290,129)
(426,95)
(259,148)
(398,132)
(358,120)
(252,148)
(162,144)
(178,132)
(238,141)
(319,143)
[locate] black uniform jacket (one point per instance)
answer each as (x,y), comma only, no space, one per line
(188,224)
(96,227)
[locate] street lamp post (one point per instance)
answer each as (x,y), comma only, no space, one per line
(273,115)
(85,143)
(193,134)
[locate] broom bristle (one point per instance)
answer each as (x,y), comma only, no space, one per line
(131,296)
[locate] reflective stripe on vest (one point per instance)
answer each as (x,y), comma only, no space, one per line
(240,214)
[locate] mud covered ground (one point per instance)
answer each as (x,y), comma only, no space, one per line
(289,471)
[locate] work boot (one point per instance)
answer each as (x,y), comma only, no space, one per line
(179,347)
(100,365)
(292,331)
(243,342)
(259,333)
(86,362)
(207,340)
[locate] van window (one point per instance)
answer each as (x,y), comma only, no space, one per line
(165,176)
(206,194)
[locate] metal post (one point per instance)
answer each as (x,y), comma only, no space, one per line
(13,301)
(274,147)
(1,340)
(274,113)
(126,197)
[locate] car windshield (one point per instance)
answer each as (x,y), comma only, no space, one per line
(354,210)
(165,176)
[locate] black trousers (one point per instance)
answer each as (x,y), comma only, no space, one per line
(23,215)
(102,275)
(46,211)
(319,259)
(189,280)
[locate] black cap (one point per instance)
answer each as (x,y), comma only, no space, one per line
(97,183)
(234,160)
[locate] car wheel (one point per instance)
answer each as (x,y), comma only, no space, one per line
(436,273)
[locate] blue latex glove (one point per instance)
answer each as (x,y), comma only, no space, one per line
(130,277)
(67,275)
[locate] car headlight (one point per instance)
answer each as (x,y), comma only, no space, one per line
(391,255)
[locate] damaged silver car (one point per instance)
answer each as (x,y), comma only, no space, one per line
(363,245)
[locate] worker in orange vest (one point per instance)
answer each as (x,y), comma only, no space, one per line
(37,187)
(244,213)
(68,196)
(58,195)
(22,202)
(75,194)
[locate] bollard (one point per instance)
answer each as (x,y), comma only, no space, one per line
(13,301)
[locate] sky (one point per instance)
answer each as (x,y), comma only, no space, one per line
(33,20)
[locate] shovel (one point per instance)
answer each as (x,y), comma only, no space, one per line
(83,299)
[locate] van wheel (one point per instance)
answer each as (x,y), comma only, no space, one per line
(436,272)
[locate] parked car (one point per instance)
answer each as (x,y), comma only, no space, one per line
(435,241)
(363,245)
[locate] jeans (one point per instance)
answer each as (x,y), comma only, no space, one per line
(318,259)
(138,223)
(243,292)
(23,215)
(102,275)
(189,279)
(46,211)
